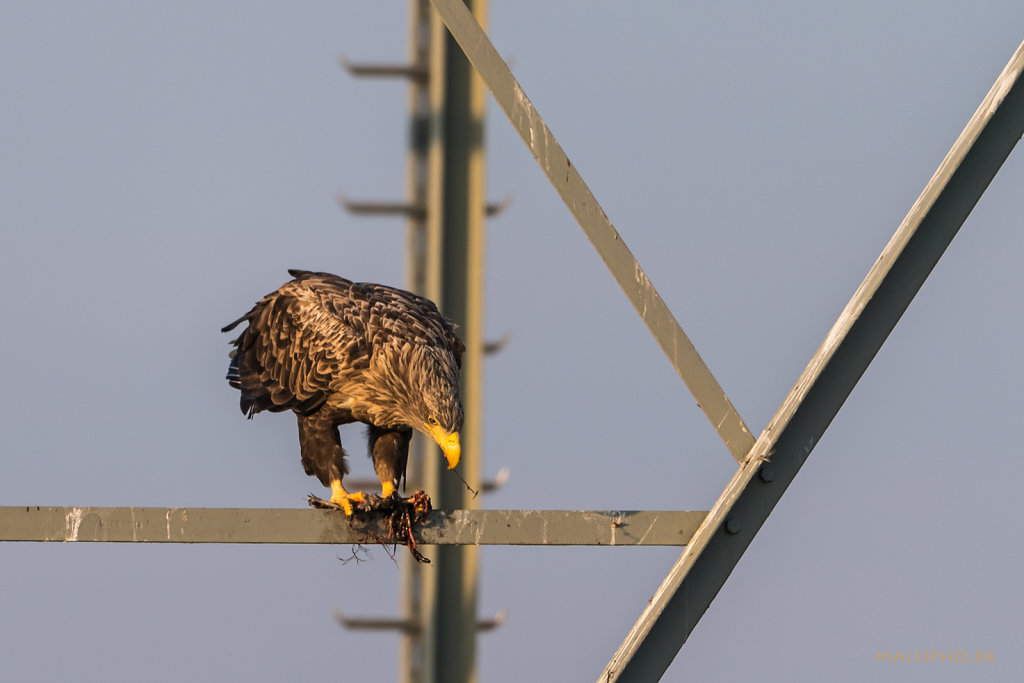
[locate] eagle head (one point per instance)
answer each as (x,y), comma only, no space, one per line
(423,383)
(439,412)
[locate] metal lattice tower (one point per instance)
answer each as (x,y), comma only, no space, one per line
(714,540)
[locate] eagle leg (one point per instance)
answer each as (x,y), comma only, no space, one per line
(389,449)
(323,456)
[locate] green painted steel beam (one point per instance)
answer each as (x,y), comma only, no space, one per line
(458,104)
(670,616)
(418,167)
(602,234)
(260,525)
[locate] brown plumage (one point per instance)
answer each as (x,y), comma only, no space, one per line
(335,351)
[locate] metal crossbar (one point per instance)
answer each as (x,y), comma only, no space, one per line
(257,525)
(602,234)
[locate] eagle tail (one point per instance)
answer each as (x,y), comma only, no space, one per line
(244,374)
(233,325)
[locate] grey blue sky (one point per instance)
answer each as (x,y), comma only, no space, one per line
(162,164)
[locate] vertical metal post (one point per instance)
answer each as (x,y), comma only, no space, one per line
(432,277)
(455,246)
(411,647)
(419,142)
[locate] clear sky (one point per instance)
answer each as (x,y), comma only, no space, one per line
(163,164)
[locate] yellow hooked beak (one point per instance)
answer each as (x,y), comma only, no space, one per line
(449,443)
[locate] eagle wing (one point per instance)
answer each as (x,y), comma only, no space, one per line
(401,317)
(306,340)
(300,341)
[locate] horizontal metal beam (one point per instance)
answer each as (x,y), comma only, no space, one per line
(259,525)
(408,626)
(413,72)
(602,234)
(412,210)
(670,616)
(486,486)
(383,208)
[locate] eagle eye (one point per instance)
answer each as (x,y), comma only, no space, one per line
(433,421)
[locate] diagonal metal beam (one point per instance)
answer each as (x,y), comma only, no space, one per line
(259,525)
(602,234)
(835,368)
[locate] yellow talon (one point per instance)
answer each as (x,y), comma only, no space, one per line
(345,504)
(339,496)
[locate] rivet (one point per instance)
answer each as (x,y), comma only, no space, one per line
(767,472)
(733,525)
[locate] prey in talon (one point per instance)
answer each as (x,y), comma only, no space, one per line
(334,351)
